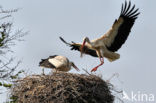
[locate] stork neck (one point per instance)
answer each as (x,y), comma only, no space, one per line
(91,44)
(87,40)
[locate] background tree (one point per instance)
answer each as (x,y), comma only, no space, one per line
(8,38)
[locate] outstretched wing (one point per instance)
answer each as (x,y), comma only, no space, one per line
(121,28)
(76,46)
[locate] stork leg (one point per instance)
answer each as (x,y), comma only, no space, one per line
(100,54)
(95,68)
(43,71)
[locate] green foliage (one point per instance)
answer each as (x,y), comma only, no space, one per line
(7,85)
(8,38)
(13,99)
(16,75)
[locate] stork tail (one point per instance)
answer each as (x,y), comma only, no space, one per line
(42,62)
(45,63)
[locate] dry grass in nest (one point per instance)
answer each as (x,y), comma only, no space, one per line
(62,88)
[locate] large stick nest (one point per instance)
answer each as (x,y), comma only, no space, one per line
(62,88)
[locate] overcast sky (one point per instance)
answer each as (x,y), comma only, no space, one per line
(75,19)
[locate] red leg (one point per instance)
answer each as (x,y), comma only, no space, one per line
(102,61)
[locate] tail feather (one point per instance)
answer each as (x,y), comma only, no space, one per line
(111,60)
(114,57)
(45,63)
(41,62)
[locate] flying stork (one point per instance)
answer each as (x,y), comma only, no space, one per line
(111,41)
(57,62)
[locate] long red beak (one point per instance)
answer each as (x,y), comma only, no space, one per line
(81,49)
(76,67)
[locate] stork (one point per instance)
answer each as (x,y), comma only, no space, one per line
(57,62)
(111,41)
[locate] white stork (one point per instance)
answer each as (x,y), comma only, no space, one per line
(111,41)
(59,63)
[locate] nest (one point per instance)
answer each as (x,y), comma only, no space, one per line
(62,88)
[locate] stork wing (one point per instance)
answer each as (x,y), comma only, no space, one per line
(76,46)
(121,28)
(57,63)
(45,64)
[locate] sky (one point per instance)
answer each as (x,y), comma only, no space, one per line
(46,20)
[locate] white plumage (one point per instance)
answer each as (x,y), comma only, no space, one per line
(59,63)
(111,41)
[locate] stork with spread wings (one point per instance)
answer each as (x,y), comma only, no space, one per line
(111,41)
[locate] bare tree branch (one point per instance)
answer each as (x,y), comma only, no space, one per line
(8,39)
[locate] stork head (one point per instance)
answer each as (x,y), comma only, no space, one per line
(74,66)
(86,39)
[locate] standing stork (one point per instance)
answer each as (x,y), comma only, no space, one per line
(111,41)
(59,63)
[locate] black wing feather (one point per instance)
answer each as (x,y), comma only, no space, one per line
(46,64)
(129,16)
(74,46)
(50,57)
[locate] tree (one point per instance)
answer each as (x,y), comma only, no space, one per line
(8,38)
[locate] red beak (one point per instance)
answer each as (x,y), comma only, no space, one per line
(81,49)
